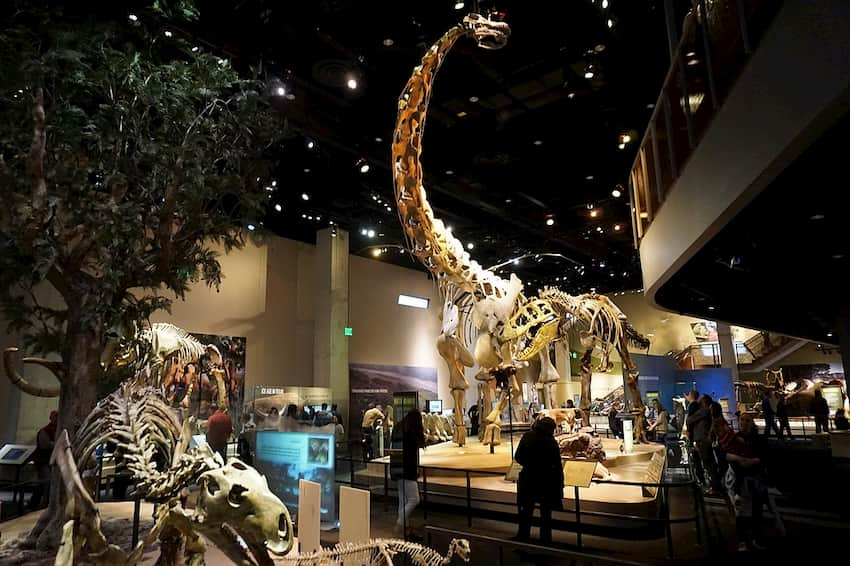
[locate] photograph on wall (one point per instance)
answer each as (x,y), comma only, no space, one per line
(704,331)
(215,380)
(373,385)
(286,457)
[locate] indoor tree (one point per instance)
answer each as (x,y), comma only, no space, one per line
(127,154)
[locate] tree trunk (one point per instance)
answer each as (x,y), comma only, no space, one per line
(77,398)
(586,375)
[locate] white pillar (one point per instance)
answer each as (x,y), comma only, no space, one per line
(330,344)
(728,359)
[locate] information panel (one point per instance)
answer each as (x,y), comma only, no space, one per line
(832,394)
(286,457)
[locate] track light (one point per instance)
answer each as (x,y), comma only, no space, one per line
(362,165)
(616,193)
(278,207)
(305,196)
(550,222)
(351,83)
(460,5)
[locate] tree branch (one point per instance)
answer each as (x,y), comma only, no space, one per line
(165,231)
(37,154)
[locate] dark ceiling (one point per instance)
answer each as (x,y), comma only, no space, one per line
(781,264)
(537,139)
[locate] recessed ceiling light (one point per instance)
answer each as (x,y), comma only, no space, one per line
(817,217)
(650,106)
(550,222)
(304,216)
(693,62)
(538,142)
(622,146)
(461,114)
(625,138)
(470,245)
(278,208)
(388,42)
(274,183)
(133,18)
(280,91)
(571,95)
(473,99)
(604,4)
(168,33)
(376,252)
(600,47)
(617,227)
(508,201)
(251,227)
(371,233)
(610,23)
(515,262)
(710,307)
(594,213)
(589,178)
(588,74)
(306,169)
(829,334)
(351,83)
(305,196)
(379,139)
(616,193)
(459,5)
(311,144)
(363,231)
(449,172)
(838,256)
(363,166)
(691,54)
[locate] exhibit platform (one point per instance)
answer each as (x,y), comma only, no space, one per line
(445,467)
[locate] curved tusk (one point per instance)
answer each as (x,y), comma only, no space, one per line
(9,355)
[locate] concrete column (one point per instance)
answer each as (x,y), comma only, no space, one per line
(728,359)
(844,338)
(330,344)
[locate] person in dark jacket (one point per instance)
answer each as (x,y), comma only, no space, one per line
(410,436)
(615,425)
(782,417)
(769,408)
(541,480)
(841,422)
(699,427)
(45,439)
(820,409)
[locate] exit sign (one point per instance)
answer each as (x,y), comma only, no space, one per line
(349,331)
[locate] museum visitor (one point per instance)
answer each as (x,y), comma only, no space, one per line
(541,479)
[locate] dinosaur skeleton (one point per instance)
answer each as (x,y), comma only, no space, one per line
(235,511)
(380,552)
(511,327)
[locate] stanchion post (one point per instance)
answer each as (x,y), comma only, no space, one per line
(578,517)
(137,507)
(668,531)
(468,501)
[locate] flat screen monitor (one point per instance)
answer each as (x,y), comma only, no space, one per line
(435,406)
(286,457)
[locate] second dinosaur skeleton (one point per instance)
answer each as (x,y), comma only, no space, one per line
(511,327)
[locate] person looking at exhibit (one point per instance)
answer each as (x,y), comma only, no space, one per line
(820,410)
(44,440)
(473,419)
(219,429)
(541,480)
(769,408)
(615,425)
(745,481)
(661,422)
(699,427)
(410,437)
(841,422)
(782,417)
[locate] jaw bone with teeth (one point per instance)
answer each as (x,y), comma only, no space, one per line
(532,328)
(236,506)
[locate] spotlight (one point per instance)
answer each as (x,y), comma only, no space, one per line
(538,142)
(589,178)
(829,334)
(594,213)
(333,232)
(251,227)
(370,233)
(616,193)
(590,206)
(195,49)
(470,245)
(305,196)
(311,144)
(362,165)
(588,74)
(617,227)
(379,139)
(604,4)
(622,146)
(711,308)
(278,208)
(274,183)
(550,222)
(363,231)
(459,5)
(610,23)
(352,83)
(473,99)
(515,262)
(625,138)
(644,215)
(449,172)
(167,33)
(376,252)
(280,91)
(133,18)
(388,42)
(571,95)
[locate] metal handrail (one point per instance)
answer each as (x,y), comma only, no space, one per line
(663,488)
(556,552)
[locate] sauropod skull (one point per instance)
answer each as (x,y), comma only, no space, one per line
(236,500)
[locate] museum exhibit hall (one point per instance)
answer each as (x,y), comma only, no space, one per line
(250,313)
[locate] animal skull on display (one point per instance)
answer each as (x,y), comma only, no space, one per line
(533,327)
(488,32)
(235,503)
